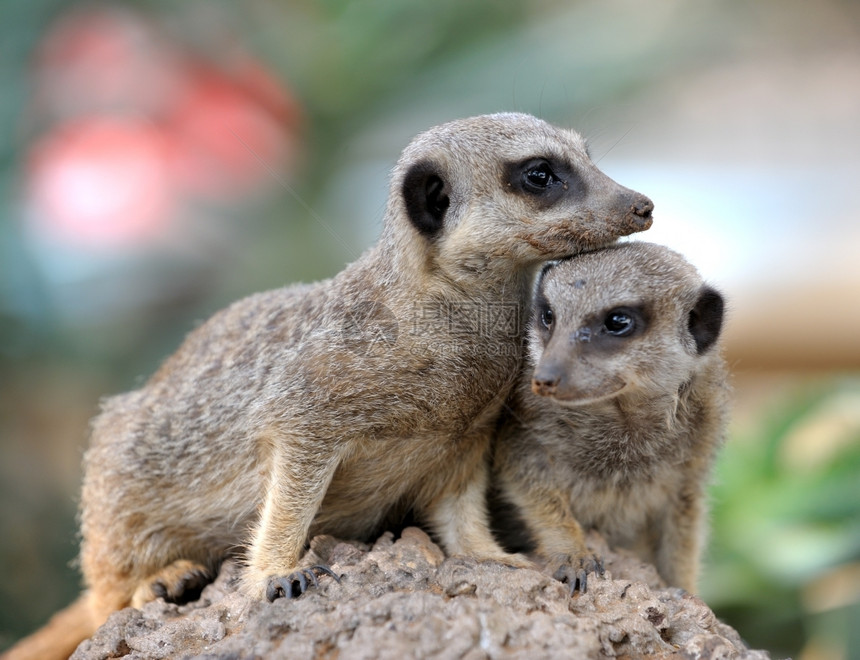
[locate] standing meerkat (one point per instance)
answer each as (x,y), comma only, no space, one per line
(335,407)
(619,411)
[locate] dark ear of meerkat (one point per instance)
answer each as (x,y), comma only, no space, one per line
(706,319)
(335,407)
(426,197)
(619,411)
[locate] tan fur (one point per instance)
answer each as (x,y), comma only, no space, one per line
(625,437)
(280,418)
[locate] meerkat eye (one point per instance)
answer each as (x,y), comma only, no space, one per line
(619,323)
(539,177)
(547,318)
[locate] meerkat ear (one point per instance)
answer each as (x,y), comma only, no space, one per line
(427,197)
(706,318)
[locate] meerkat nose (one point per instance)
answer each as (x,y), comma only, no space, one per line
(545,381)
(642,208)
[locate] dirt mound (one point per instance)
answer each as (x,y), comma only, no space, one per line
(403,599)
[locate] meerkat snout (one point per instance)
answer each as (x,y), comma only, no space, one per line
(636,208)
(545,380)
(575,384)
(642,208)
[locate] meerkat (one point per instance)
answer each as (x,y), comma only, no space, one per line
(335,407)
(618,413)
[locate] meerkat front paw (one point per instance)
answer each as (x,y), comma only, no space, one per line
(180,582)
(574,569)
(297,582)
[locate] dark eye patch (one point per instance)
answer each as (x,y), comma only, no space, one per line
(623,322)
(538,177)
(547,318)
(543,179)
(619,323)
(544,317)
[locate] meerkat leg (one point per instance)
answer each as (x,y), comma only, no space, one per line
(680,542)
(180,582)
(459,517)
(107,593)
(559,536)
(300,474)
(112,588)
(110,584)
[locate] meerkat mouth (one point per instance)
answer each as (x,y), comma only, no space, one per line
(573,398)
(562,246)
(597,247)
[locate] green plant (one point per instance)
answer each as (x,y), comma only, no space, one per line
(784,562)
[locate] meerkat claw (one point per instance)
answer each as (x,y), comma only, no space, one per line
(576,577)
(326,571)
(296,583)
(581,580)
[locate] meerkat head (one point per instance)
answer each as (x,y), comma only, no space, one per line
(631,318)
(505,188)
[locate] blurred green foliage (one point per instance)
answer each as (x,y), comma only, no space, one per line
(784,560)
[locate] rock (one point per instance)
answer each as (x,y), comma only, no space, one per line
(402,598)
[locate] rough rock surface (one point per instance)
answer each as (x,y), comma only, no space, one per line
(403,599)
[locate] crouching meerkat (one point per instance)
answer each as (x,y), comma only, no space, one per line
(619,411)
(337,406)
